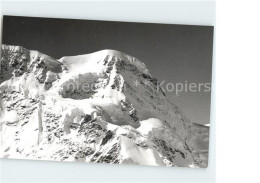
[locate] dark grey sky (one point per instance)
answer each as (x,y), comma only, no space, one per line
(174,53)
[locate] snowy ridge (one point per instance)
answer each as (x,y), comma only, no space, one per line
(105,54)
(86,108)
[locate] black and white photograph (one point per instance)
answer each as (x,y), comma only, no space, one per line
(95,91)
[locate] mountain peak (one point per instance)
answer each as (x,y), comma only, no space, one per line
(105,56)
(98,107)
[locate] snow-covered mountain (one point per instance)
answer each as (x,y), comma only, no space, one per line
(102,107)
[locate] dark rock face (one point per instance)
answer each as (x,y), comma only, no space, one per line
(112,156)
(109,135)
(14,61)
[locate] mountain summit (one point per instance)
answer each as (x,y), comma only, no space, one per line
(101,107)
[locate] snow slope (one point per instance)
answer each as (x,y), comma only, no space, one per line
(86,108)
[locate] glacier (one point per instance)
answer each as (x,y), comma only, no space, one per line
(86,108)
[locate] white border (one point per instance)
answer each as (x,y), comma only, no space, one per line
(176,12)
